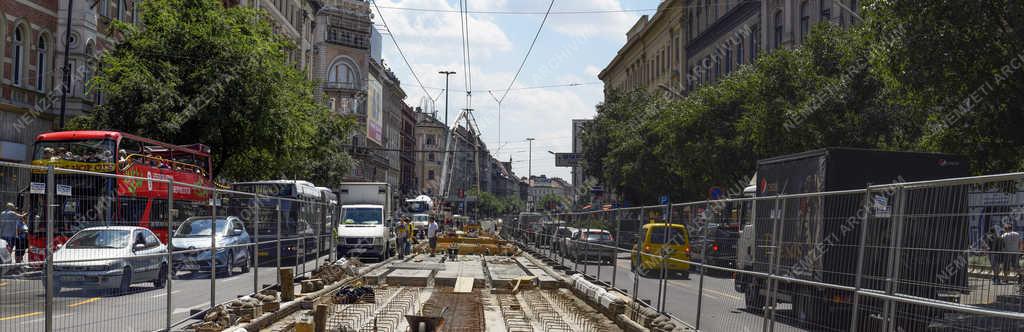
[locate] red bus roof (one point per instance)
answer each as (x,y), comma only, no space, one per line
(115,135)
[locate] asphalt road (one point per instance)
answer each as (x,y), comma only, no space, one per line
(22,301)
(722,308)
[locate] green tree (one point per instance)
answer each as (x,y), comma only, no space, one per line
(194,71)
(960,63)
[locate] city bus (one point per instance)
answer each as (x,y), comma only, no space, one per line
(302,216)
(87,200)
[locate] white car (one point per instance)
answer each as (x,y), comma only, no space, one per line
(113,257)
(5,257)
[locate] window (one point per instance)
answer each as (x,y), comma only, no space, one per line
(135,10)
(826,10)
(718,67)
(754,42)
(716,10)
(430,175)
(41,64)
(430,156)
(728,61)
(805,20)
(697,23)
(689,31)
(340,72)
(120,9)
(18,54)
(103,8)
(739,52)
(778,29)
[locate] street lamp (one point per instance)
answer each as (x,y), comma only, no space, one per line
(446,73)
(529,169)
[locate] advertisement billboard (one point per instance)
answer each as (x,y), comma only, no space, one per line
(374,111)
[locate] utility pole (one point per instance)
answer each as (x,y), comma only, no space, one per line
(529,173)
(446,73)
(67,67)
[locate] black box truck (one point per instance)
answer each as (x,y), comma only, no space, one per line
(915,237)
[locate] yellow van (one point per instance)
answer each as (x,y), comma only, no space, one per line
(657,239)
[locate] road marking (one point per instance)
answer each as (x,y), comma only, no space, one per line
(37,320)
(21,315)
(734,297)
(164,294)
(84,302)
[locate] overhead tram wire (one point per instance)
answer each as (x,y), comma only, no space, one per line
(554,12)
(466,60)
(528,51)
(399,48)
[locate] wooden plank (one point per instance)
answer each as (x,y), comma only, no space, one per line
(463,285)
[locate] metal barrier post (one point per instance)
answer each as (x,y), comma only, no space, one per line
(213,251)
(170,251)
(664,262)
(615,259)
(773,289)
(256,249)
(858,279)
(703,264)
(895,245)
(639,258)
(51,209)
(278,238)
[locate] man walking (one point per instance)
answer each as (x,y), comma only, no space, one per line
(994,246)
(1011,249)
(11,224)
(432,230)
(401,236)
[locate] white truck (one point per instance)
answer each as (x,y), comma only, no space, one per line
(365,227)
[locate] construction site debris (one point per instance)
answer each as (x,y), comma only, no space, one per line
(352,295)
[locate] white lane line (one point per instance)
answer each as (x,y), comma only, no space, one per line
(164,294)
(37,320)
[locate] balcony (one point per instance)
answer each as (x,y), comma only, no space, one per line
(344,86)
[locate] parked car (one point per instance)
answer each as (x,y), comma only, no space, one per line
(657,240)
(5,257)
(591,244)
(110,257)
(232,251)
(715,244)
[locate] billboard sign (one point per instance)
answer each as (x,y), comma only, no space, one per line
(374,111)
(567,159)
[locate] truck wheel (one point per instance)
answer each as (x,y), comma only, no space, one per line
(753,299)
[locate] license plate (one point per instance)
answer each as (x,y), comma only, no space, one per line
(73,278)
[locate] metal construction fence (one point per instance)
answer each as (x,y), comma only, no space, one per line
(87,251)
(913,256)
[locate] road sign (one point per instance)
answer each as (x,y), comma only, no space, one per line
(563,159)
(664,199)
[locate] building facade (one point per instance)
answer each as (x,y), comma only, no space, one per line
(430,136)
(652,56)
(690,43)
(409,186)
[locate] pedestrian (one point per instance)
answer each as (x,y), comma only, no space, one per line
(1011,249)
(22,242)
(994,245)
(432,229)
(10,225)
(401,236)
(411,237)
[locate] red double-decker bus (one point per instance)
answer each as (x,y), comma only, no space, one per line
(87,200)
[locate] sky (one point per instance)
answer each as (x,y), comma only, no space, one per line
(571,49)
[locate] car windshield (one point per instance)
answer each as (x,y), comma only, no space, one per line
(670,235)
(362,216)
(201,227)
(100,238)
(422,218)
(598,236)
